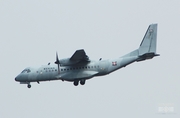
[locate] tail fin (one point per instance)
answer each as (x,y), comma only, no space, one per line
(147,49)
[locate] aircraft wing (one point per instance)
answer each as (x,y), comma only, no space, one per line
(79,55)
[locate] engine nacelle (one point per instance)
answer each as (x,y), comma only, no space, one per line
(68,62)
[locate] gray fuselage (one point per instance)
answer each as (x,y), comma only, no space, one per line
(74,72)
(79,68)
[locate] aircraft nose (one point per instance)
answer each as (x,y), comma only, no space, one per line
(18,78)
(21,78)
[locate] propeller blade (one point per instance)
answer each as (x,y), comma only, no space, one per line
(57,59)
(57,62)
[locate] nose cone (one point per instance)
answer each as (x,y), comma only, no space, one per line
(22,78)
(18,78)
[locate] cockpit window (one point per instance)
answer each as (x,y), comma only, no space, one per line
(26,71)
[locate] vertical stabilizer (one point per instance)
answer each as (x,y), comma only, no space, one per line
(148,44)
(147,49)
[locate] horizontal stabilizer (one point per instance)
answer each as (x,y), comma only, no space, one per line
(147,56)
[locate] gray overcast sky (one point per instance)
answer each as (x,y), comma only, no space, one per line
(31,31)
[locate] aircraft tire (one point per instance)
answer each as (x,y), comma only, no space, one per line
(29,86)
(82,82)
(76,82)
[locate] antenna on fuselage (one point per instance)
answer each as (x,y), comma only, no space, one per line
(57,62)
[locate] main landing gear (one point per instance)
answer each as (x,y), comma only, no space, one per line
(76,82)
(82,82)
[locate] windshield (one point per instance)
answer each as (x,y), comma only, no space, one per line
(26,71)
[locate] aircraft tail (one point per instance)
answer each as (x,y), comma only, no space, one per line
(147,49)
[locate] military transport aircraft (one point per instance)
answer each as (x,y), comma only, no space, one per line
(79,68)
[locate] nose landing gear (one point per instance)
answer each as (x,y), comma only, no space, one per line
(29,85)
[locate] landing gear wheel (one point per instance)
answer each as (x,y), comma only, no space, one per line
(29,86)
(76,82)
(82,82)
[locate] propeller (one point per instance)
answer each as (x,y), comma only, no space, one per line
(57,62)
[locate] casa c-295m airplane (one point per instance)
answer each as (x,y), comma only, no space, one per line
(79,68)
